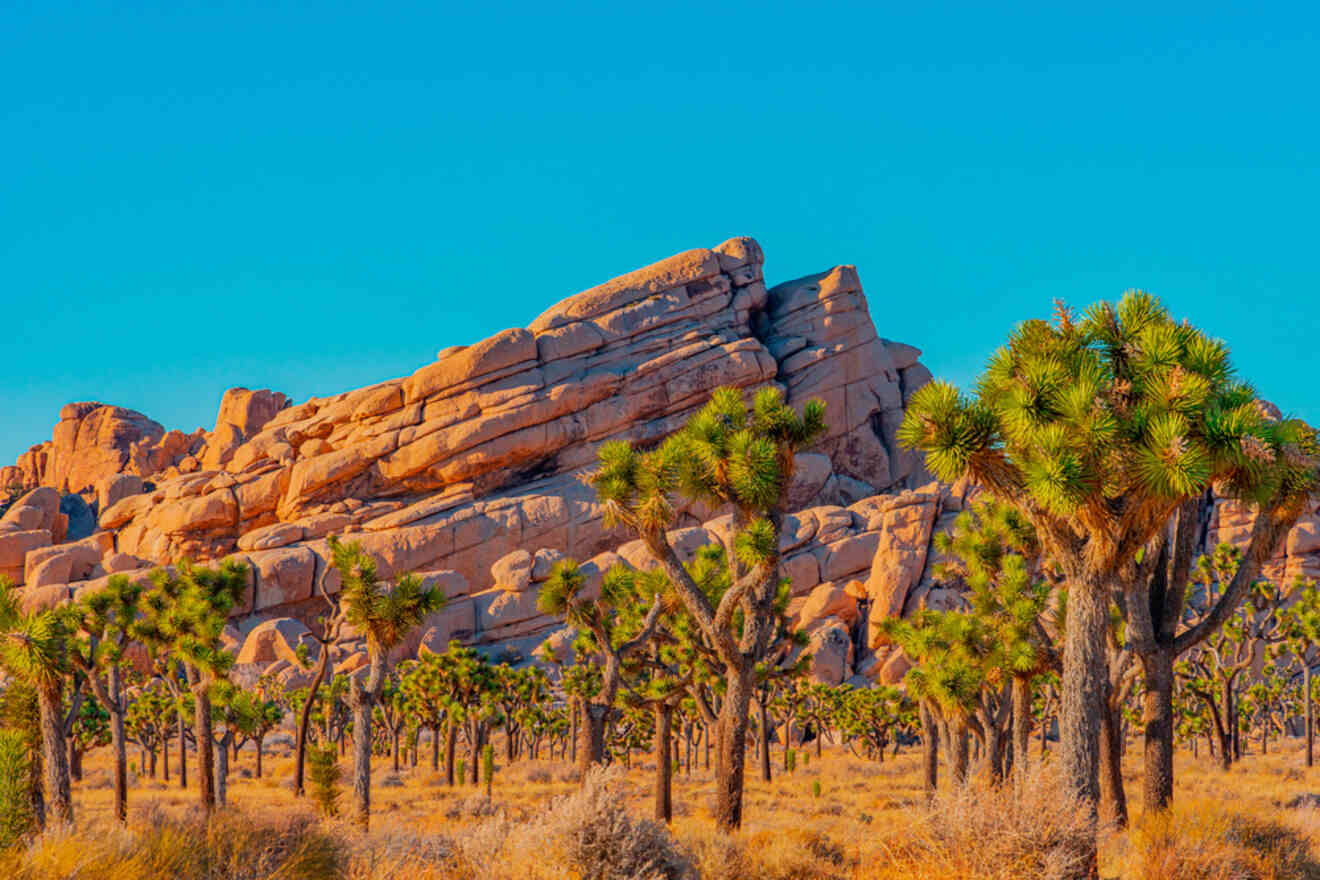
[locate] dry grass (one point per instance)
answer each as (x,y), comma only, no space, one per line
(868,822)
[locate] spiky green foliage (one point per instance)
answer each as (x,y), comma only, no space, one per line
(323,772)
(948,650)
(33,645)
(184,614)
(384,613)
(16,815)
(1098,427)
(993,550)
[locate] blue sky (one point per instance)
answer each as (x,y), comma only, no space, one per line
(313,197)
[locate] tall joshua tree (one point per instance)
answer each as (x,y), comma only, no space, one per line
(183,615)
(1100,430)
(34,647)
(100,625)
(727,455)
(385,615)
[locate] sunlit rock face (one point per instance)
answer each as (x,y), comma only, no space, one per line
(477,457)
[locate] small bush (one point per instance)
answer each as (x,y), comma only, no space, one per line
(1034,829)
(1208,842)
(588,834)
(230,844)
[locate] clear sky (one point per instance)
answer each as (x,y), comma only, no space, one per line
(316,197)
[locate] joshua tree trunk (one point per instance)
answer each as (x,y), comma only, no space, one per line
(1021,724)
(664,714)
(763,722)
(961,744)
(591,730)
(120,747)
(165,756)
(305,720)
(451,746)
(222,770)
(1112,796)
(930,752)
(477,738)
(205,745)
(1085,682)
(731,748)
(56,756)
(363,697)
(1157,776)
(259,740)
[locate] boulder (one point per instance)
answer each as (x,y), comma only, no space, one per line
(275,639)
(513,573)
(829,600)
(831,652)
(249,411)
(905,527)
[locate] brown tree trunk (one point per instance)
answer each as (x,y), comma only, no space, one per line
(305,721)
(259,741)
(1157,715)
(1082,696)
(205,745)
(664,810)
(1112,797)
(930,753)
(1021,724)
(451,748)
(222,771)
(50,706)
(591,731)
(958,735)
(763,722)
(731,748)
(120,747)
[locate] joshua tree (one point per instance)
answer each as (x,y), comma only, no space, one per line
(100,624)
(993,548)
(1100,431)
(1212,670)
(183,616)
(149,721)
(564,595)
(385,616)
(727,455)
(34,648)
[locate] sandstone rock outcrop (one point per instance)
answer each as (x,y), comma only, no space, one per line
(469,469)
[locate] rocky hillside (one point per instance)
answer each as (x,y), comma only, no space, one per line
(469,469)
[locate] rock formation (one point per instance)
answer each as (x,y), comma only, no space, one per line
(468,471)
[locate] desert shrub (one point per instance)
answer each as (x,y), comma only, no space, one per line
(588,833)
(1206,841)
(1033,829)
(230,845)
(782,854)
(16,814)
(474,807)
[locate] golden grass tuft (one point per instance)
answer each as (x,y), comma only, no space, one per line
(1204,840)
